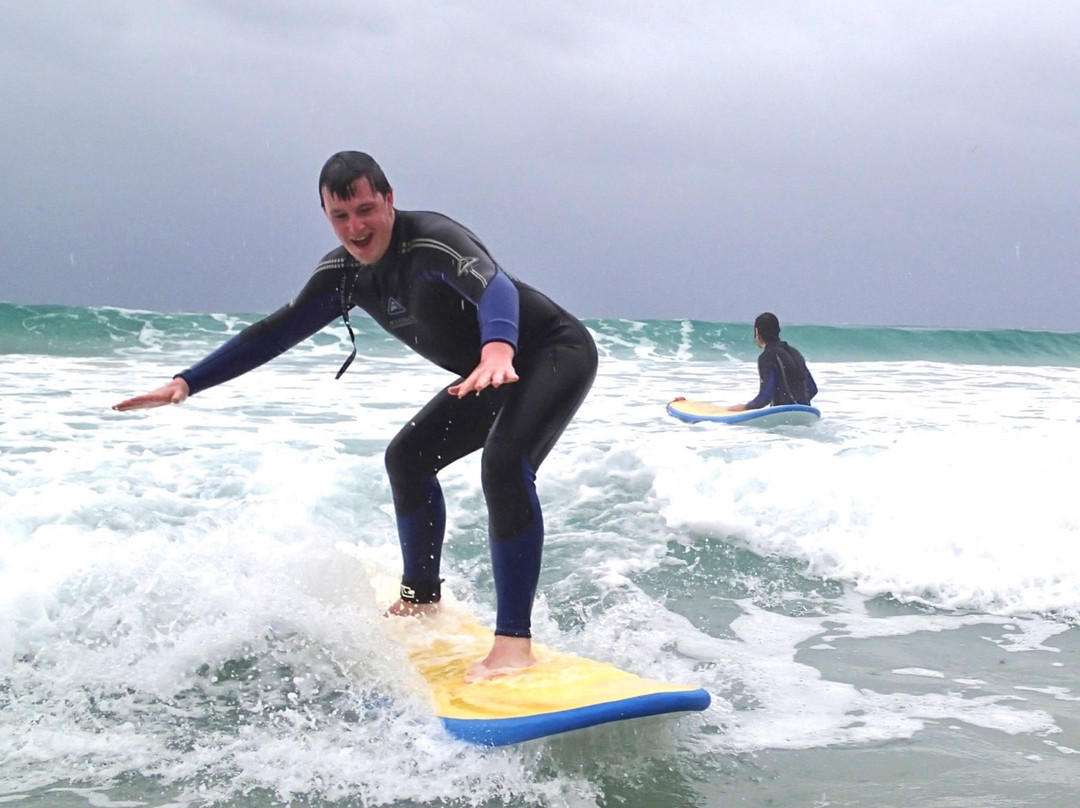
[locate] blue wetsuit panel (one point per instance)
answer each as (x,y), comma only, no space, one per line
(765,392)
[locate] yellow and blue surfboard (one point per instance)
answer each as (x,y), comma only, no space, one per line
(562,692)
(780,415)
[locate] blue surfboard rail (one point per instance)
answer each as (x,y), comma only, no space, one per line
(777,413)
(503,731)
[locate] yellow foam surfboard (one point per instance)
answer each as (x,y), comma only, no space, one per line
(781,415)
(562,692)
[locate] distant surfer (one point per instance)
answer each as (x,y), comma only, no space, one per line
(524,366)
(785,378)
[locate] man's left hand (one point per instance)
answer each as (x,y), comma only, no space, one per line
(496,368)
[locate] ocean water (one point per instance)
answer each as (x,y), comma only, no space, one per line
(884,606)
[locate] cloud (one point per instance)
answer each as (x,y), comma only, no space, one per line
(840,162)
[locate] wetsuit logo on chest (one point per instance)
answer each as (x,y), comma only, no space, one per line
(397,317)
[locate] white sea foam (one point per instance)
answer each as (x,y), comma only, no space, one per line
(958,500)
(147,557)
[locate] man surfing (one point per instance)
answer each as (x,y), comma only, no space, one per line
(524,366)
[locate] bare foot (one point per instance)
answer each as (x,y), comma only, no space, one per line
(403,608)
(508,655)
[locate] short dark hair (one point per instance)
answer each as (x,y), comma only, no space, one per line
(344,168)
(768,327)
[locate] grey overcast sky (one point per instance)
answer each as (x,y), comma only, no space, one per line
(861,162)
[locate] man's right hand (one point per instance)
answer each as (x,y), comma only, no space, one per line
(172,393)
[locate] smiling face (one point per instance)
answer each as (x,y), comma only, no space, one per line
(364,222)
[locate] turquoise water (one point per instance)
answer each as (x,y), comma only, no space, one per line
(884,606)
(64,331)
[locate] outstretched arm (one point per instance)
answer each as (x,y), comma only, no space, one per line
(172,393)
(314,307)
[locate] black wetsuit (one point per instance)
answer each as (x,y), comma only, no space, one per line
(440,292)
(785,379)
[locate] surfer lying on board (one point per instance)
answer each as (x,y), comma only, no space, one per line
(524,366)
(785,378)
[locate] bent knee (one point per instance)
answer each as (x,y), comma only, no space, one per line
(403,457)
(510,490)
